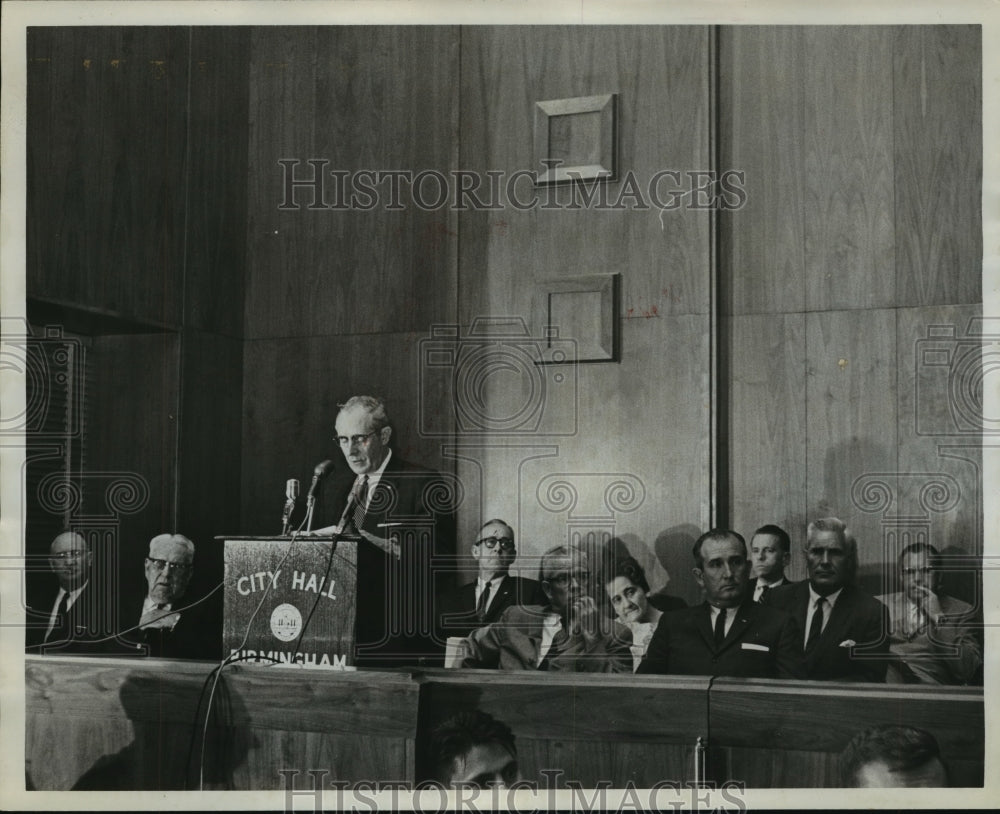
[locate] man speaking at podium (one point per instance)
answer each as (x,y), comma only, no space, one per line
(405,514)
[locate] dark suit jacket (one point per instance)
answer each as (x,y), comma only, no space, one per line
(753,585)
(457,608)
(85,631)
(191,638)
(666,602)
(513,642)
(761,643)
(856,618)
(395,605)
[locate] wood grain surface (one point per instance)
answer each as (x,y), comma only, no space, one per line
(938,150)
(768,425)
(137,717)
(848,143)
(334,94)
(761,133)
(106,168)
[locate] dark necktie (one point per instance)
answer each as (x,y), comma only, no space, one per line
(61,629)
(816,626)
(484,601)
(763,591)
(720,627)
(360,500)
(559,642)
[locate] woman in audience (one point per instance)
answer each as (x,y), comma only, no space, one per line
(629,594)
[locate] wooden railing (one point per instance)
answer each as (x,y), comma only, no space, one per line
(127,724)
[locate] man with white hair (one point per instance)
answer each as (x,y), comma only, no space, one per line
(166,629)
(405,514)
(845,632)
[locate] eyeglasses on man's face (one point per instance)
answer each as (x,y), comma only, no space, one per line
(505,543)
(162,565)
(72,554)
(355,440)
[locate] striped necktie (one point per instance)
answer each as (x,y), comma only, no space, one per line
(360,502)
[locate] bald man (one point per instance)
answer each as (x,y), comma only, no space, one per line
(70,606)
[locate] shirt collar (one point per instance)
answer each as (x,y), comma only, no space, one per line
(494,583)
(72,594)
(831,598)
(376,476)
(149,604)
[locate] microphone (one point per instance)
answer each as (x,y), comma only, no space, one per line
(291,495)
(321,471)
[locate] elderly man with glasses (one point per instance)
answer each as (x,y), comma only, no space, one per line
(569,633)
(70,605)
(168,627)
(405,513)
(494,590)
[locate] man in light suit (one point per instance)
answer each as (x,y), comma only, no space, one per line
(844,632)
(771,552)
(729,634)
(481,602)
(568,634)
(932,639)
(406,516)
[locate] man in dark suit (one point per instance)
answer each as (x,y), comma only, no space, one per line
(65,597)
(844,632)
(405,513)
(729,634)
(494,590)
(771,552)
(567,634)
(166,628)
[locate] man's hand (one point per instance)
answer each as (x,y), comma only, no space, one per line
(389,545)
(584,619)
(927,601)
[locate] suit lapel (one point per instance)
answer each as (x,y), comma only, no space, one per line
(498,602)
(800,608)
(836,626)
(703,623)
(739,625)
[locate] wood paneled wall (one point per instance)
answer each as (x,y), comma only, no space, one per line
(129,723)
(107,152)
(861,233)
(137,179)
(154,200)
(338,300)
(643,422)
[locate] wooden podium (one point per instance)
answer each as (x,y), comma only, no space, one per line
(291,601)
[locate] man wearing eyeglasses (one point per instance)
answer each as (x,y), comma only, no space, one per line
(931,638)
(166,628)
(568,634)
(494,590)
(71,608)
(406,515)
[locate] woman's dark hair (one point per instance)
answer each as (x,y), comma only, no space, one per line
(632,571)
